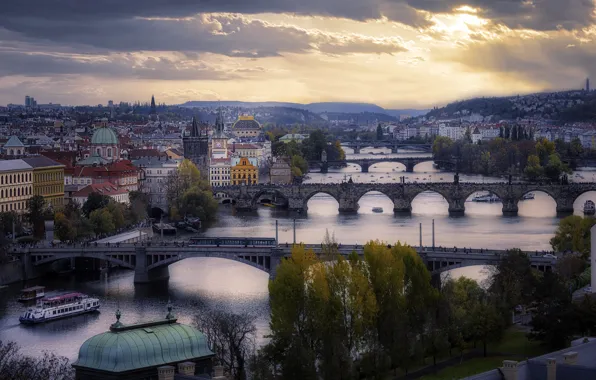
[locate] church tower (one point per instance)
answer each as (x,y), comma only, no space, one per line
(219,141)
(196,147)
(153,111)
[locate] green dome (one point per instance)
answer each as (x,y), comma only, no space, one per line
(143,346)
(104,136)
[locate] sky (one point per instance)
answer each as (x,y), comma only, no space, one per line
(395,53)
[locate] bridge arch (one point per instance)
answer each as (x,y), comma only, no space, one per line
(382,199)
(580,197)
(310,195)
(425,162)
(130,263)
(444,202)
(268,192)
(542,194)
(389,161)
(260,262)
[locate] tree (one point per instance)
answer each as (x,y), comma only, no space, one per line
(468,136)
(63,228)
(231,337)
(186,189)
(117,211)
(36,215)
(299,166)
(512,282)
(15,366)
(487,325)
(379,132)
(533,168)
(555,167)
(573,234)
(102,221)
(94,201)
(199,203)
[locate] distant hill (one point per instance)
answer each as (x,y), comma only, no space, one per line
(318,108)
(564,106)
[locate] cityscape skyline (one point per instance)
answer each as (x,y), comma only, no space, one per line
(397,54)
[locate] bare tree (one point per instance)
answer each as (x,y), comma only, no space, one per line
(15,366)
(231,337)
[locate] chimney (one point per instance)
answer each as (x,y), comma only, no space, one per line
(570,358)
(165,372)
(551,369)
(186,368)
(510,369)
(593,257)
(218,373)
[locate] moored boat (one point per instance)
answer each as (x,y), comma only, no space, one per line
(377,209)
(32,293)
(589,208)
(61,306)
(486,198)
(528,196)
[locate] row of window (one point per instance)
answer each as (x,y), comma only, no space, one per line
(49,190)
(244,181)
(15,178)
(15,192)
(44,177)
(15,206)
(220,177)
(243,176)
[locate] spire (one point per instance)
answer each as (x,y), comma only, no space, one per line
(195,130)
(219,123)
(153,109)
(170,315)
(117,324)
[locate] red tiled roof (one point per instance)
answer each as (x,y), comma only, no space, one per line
(105,188)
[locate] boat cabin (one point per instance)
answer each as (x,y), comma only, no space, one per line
(32,293)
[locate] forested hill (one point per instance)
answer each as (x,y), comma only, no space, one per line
(565,106)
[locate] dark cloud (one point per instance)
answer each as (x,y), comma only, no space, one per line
(560,60)
(530,14)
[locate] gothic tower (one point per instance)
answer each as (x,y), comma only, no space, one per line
(196,147)
(153,111)
(219,141)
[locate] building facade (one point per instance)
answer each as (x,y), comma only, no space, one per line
(156,174)
(16,185)
(246,126)
(48,180)
(196,147)
(107,189)
(14,147)
(219,172)
(280,173)
(244,173)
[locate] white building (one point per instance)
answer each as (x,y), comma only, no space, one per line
(157,172)
(476,136)
(490,133)
(453,132)
(219,172)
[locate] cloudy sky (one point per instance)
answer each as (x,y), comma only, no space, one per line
(396,53)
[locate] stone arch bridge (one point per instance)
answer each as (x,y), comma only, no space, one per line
(392,144)
(348,194)
(150,262)
(366,163)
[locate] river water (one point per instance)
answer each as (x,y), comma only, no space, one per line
(196,284)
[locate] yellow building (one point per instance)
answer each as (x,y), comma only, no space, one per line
(16,185)
(244,173)
(48,180)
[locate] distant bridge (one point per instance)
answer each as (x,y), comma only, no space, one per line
(347,195)
(150,262)
(393,144)
(366,163)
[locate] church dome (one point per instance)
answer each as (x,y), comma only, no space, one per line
(246,122)
(104,136)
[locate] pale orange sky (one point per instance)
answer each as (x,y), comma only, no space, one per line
(394,53)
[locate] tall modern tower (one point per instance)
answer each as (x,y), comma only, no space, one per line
(196,147)
(588,84)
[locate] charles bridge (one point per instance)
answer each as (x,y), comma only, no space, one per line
(150,261)
(395,145)
(456,193)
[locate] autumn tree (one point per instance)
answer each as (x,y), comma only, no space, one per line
(63,228)
(102,221)
(573,234)
(190,195)
(94,201)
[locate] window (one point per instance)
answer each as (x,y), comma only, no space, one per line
(109,152)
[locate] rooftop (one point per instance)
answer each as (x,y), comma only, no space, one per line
(14,165)
(41,162)
(14,142)
(105,188)
(142,345)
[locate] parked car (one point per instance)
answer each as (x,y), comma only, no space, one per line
(549,256)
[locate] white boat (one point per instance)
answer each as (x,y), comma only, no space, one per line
(377,209)
(61,306)
(528,196)
(589,208)
(486,198)
(32,293)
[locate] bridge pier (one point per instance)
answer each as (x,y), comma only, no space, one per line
(410,166)
(510,207)
(324,167)
(245,204)
(564,207)
(402,206)
(364,167)
(457,208)
(144,275)
(298,205)
(348,205)
(356,149)
(394,149)
(29,271)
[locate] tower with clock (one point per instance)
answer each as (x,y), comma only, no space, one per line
(219,141)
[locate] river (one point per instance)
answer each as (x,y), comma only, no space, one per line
(201,283)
